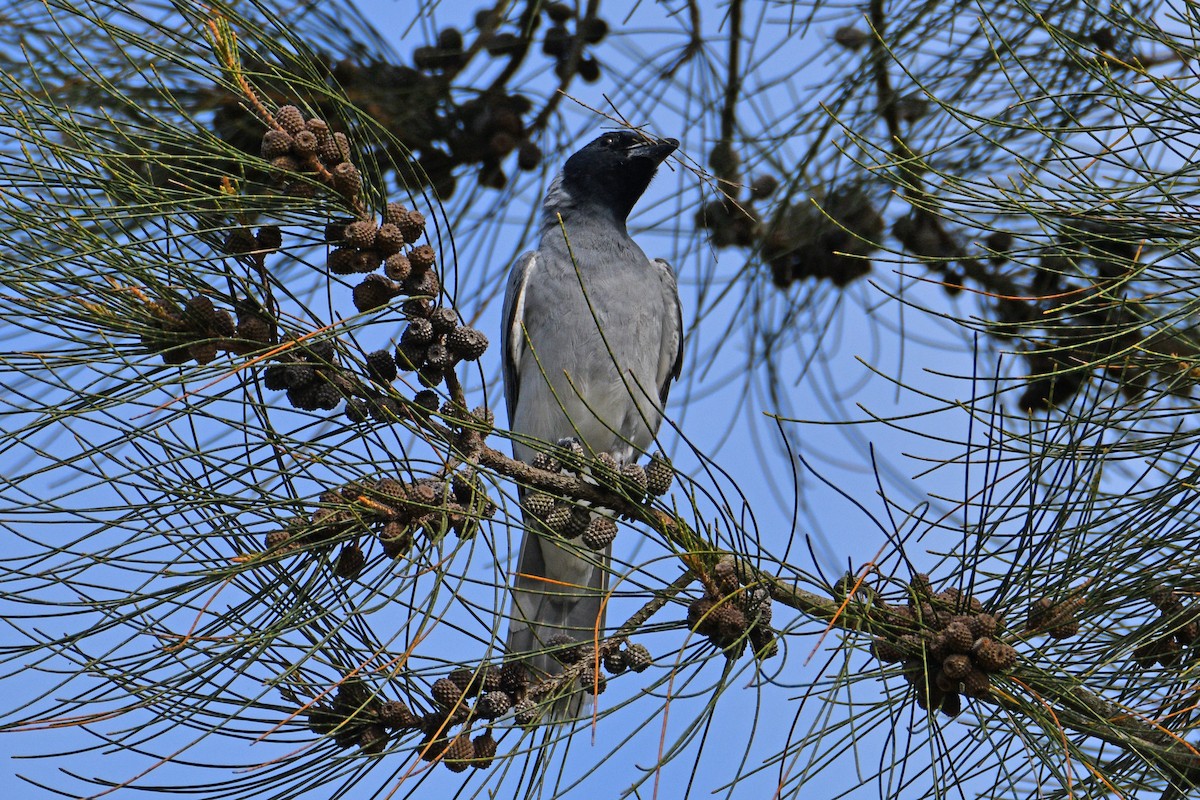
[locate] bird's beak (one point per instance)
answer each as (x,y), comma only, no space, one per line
(655,151)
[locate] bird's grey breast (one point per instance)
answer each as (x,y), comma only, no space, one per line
(594,318)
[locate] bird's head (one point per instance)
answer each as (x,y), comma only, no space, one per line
(614,170)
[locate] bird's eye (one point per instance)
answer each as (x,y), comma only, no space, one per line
(609,141)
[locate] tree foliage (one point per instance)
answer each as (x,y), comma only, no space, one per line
(258,505)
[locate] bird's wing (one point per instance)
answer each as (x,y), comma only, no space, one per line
(670,358)
(511,333)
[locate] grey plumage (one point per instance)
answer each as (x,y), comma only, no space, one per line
(592,339)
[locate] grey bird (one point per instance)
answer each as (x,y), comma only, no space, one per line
(592,338)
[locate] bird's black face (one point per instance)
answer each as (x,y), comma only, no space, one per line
(614,170)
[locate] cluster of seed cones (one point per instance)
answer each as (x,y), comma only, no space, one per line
(433,343)
(583,668)
(357,717)
(1184,631)
(731,222)
(573,520)
(489,692)
(392,510)
(948,644)
(310,377)
(559,41)
(200,331)
(1058,619)
(731,615)
(830,240)
(298,147)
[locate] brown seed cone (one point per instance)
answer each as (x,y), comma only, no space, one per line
(764,642)
(323,720)
(278,539)
(729,622)
(393,213)
(724,574)
(342,260)
(1044,613)
(600,533)
(388,240)
(203,352)
(446,693)
(396,714)
(373,739)
(459,753)
(526,713)
(592,682)
(952,704)
(956,666)
(1170,653)
(659,475)
(539,505)
(253,329)
(938,648)
(547,462)
(347,180)
(993,656)
(1165,600)
(290,118)
(275,143)
(1146,655)
(396,538)
(1064,631)
(930,697)
(958,638)
(423,284)
(485,750)
(901,617)
(411,225)
(614,662)
(199,313)
(432,748)
(304,144)
(558,517)
(467,343)
(514,678)
(397,267)
(982,625)
(493,705)
(350,562)
(464,679)
(976,684)
(374,292)
(577,523)
(911,645)
(361,234)
(240,241)
(438,356)
(944,682)
(921,586)
(444,319)
(489,678)
(422,258)
(285,164)
(700,615)
(886,651)
(634,480)
(605,465)
(638,658)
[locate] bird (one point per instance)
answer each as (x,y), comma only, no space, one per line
(592,339)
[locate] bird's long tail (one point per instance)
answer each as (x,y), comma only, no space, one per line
(558,589)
